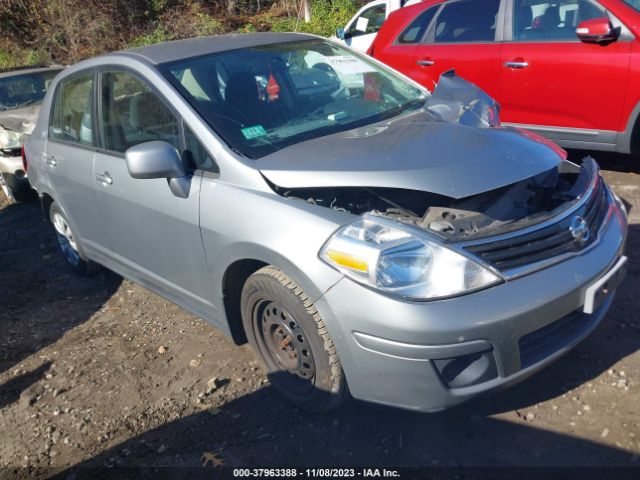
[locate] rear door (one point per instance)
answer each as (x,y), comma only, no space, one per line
(400,52)
(464,36)
(154,236)
(70,153)
(555,82)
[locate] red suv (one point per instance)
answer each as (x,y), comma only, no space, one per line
(568,69)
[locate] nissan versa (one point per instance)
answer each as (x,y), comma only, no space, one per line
(333,213)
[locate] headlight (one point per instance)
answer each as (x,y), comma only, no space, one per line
(396,262)
(10,139)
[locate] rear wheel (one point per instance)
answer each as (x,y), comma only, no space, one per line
(67,243)
(286,330)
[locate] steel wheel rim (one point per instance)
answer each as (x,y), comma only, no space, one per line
(284,346)
(67,243)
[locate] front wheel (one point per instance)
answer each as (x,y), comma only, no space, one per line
(286,330)
(67,243)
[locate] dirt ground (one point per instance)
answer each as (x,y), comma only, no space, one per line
(100,372)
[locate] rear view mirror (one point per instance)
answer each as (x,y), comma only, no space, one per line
(340,33)
(155,159)
(596,30)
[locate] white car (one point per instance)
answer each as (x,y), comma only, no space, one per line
(363,27)
(21,93)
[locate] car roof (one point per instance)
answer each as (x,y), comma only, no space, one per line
(196,47)
(12,72)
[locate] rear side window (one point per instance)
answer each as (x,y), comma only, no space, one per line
(467,21)
(416,29)
(72,117)
(132,113)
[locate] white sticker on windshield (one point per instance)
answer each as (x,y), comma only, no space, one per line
(362,24)
(348,65)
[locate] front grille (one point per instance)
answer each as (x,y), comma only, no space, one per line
(538,345)
(547,242)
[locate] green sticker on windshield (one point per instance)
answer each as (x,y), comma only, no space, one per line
(253,132)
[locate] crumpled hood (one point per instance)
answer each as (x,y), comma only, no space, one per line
(413,152)
(20,119)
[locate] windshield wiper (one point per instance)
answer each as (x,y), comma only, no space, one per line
(413,104)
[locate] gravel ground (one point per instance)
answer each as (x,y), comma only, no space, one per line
(100,372)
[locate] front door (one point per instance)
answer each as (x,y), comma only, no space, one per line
(464,36)
(154,235)
(550,78)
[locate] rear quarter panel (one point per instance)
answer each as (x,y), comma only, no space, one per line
(37,143)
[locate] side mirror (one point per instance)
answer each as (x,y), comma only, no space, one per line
(340,33)
(155,159)
(596,30)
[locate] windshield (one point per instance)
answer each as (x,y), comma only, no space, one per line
(263,99)
(24,89)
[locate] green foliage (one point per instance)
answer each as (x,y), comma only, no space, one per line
(17,57)
(184,22)
(247,28)
(158,35)
(326,17)
(65,31)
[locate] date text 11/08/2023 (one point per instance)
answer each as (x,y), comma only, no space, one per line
(316,472)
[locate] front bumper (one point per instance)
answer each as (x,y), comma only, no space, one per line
(13,173)
(432,355)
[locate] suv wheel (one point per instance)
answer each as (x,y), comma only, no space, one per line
(67,244)
(286,330)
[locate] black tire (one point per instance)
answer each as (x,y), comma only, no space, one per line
(286,331)
(67,245)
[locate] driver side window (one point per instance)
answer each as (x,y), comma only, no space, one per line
(369,21)
(545,21)
(132,113)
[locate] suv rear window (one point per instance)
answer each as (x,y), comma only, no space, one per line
(416,29)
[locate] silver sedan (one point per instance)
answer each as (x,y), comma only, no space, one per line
(362,233)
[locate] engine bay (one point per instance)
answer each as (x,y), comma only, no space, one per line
(498,211)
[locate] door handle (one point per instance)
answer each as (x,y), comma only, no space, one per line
(425,62)
(519,64)
(104,178)
(50,160)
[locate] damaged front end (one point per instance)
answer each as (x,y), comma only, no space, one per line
(456,100)
(496,212)
(480,201)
